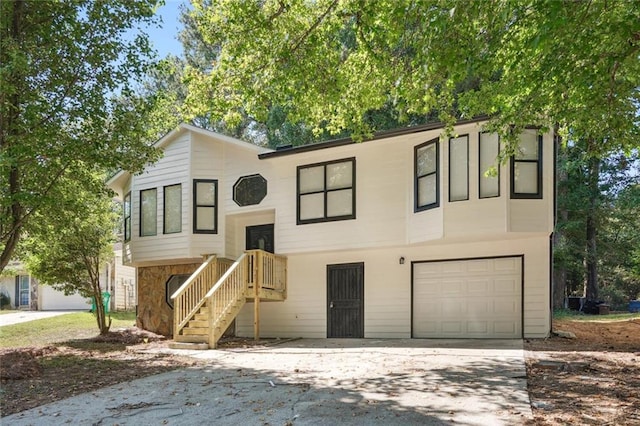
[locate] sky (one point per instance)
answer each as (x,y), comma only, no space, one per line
(165,39)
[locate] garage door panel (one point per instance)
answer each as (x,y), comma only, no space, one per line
(452,327)
(478,298)
(451,268)
(479,287)
(507,264)
(478,266)
(478,327)
(479,307)
(509,286)
(450,307)
(504,327)
(453,287)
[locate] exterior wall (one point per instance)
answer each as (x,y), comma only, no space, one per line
(50,300)
(191,156)
(154,314)
(8,288)
(387,298)
(172,168)
(124,297)
(385,199)
(43,297)
(385,228)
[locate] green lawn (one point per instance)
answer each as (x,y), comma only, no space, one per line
(79,325)
(565,314)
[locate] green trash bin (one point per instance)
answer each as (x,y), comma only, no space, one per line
(106,297)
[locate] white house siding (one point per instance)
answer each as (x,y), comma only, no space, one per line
(387,288)
(236,229)
(206,162)
(8,288)
(172,168)
(125,294)
(386,226)
(537,214)
(47,297)
(385,199)
(50,299)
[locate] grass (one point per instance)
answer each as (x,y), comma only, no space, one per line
(43,332)
(565,314)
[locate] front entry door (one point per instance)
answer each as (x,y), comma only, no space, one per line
(345,300)
(260,237)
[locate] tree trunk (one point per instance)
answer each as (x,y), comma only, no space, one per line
(11,235)
(562,217)
(101,317)
(591,258)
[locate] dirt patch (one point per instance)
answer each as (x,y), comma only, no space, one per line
(592,379)
(35,376)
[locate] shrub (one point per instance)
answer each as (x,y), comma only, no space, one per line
(5,300)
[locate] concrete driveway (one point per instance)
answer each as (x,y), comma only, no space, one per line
(24,316)
(318,382)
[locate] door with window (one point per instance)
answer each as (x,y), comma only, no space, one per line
(345,300)
(260,237)
(22,291)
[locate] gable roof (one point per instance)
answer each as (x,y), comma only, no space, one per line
(120,177)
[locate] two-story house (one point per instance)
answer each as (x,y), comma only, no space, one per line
(403,235)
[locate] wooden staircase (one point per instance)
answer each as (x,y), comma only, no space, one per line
(208,302)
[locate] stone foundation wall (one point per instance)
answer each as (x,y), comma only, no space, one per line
(154,314)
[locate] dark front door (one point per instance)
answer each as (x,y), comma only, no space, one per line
(260,237)
(345,300)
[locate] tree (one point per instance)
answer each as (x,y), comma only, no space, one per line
(542,63)
(534,62)
(66,73)
(597,196)
(70,245)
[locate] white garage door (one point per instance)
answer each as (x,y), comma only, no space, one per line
(479,298)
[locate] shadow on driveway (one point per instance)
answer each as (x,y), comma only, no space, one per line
(318,382)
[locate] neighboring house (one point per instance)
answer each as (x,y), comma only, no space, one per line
(122,283)
(399,236)
(27,293)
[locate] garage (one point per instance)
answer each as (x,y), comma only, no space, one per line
(470,298)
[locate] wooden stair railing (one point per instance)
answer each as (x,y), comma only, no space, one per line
(255,275)
(189,298)
(226,298)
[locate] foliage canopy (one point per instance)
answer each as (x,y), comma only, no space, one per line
(65,100)
(527,62)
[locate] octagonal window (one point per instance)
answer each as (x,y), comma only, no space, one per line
(249,190)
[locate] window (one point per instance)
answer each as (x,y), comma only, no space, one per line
(23,290)
(172,285)
(172,218)
(205,206)
(326,191)
(489,150)
(249,190)
(459,168)
(526,167)
(148,212)
(127,217)
(427,192)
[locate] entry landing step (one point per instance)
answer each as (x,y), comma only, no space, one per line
(191,346)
